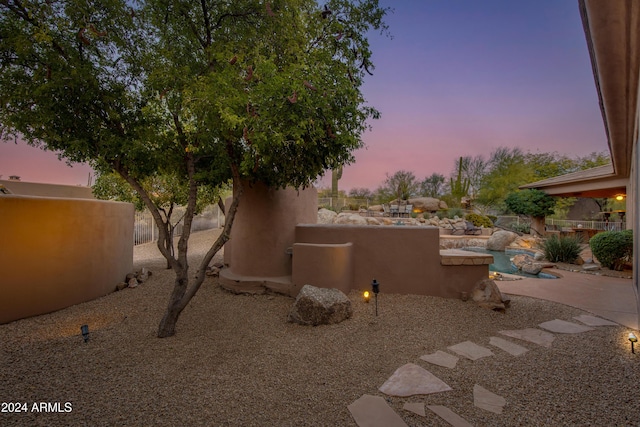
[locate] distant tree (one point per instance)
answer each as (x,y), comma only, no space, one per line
(208,90)
(401,185)
(473,170)
(433,185)
(361,193)
(507,171)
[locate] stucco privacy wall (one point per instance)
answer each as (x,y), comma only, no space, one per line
(405,260)
(258,255)
(59,252)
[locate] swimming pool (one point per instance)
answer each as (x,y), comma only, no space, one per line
(502,263)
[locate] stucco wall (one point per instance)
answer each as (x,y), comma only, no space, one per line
(263,231)
(59,252)
(405,260)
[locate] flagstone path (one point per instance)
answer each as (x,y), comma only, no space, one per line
(413,380)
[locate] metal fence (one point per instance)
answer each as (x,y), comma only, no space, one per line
(594,225)
(343,203)
(145,229)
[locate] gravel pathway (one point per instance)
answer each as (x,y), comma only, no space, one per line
(235,361)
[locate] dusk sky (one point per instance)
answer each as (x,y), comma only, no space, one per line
(459,77)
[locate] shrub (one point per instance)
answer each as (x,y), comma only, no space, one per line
(450,213)
(479,220)
(561,248)
(492,218)
(524,227)
(612,248)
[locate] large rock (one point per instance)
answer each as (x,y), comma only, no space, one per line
(320,306)
(486,294)
(347,218)
(500,240)
(428,204)
(325,216)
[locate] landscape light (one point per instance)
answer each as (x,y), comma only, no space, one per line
(366,296)
(85,332)
(375,287)
(633,339)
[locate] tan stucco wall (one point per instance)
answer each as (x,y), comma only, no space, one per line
(322,265)
(59,252)
(405,260)
(264,229)
(22,188)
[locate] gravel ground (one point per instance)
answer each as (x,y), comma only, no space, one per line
(235,361)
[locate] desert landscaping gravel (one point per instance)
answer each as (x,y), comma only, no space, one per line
(235,361)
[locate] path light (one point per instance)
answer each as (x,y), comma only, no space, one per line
(633,339)
(366,296)
(85,332)
(375,287)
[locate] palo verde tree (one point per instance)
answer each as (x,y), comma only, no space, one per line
(207,90)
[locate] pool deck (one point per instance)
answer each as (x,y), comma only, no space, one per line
(608,297)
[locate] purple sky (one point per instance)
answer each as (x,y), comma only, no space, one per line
(459,77)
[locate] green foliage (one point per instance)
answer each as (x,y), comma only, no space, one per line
(203,90)
(450,213)
(492,218)
(523,227)
(561,248)
(479,220)
(507,171)
(432,186)
(612,248)
(534,203)
(361,193)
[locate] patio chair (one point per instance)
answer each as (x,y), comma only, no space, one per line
(408,209)
(395,210)
(471,229)
(385,210)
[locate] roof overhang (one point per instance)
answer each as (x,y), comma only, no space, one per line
(596,182)
(613,39)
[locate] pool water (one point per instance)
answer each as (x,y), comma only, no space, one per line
(502,263)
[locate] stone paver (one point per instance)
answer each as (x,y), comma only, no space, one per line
(533,335)
(564,327)
(449,416)
(373,411)
(410,380)
(470,350)
(441,358)
(511,348)
(484,399)
(594,321)
(415,407)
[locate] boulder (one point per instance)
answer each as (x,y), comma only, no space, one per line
(487,295)
(325,216)
(120,286)
(372,221)
(522,259)
(347,218)
(426,204)
(320,306)
(531,268)
(133,283)
(500,240)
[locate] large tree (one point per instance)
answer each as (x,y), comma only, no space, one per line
(208,90)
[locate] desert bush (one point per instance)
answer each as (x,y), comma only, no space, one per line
(612,248)
(523,227)
(450,213)
(479,220)
(492,218)
(561,248)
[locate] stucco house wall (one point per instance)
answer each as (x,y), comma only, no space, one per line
(59,252)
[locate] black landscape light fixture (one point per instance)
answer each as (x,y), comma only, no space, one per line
(375,287)
(632,339)
(85,332)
